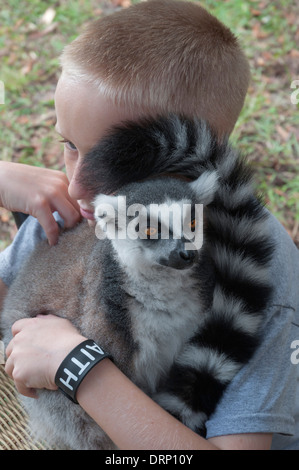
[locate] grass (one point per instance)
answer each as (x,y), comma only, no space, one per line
(268,127)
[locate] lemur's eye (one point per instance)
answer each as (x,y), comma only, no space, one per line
(192,225)
(150,231)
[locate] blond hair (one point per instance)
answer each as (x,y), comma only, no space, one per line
(164,56)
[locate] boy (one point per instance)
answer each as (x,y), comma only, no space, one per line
(155,58)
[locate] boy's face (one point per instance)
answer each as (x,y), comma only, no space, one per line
(83,117)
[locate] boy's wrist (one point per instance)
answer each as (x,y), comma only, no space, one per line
(60,355)
(76,365)
(95,381)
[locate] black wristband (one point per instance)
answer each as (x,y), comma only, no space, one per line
(76,366)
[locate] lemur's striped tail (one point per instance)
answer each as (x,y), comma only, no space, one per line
(234,259)
(234,270)
(136,151)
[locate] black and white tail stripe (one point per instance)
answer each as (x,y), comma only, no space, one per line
(234,259)
(150,148)
(234,266)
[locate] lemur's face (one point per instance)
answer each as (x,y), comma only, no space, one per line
(157,222)
(143,236)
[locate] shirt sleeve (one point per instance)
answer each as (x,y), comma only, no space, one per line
(28,236)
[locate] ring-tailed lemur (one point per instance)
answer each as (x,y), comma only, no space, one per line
(179,334)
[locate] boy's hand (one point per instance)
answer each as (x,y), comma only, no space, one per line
(38,192)
(38,347)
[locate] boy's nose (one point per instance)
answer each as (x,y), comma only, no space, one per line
(76,191)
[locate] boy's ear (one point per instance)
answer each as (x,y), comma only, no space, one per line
(205,186)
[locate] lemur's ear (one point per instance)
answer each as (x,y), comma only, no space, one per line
(205,186)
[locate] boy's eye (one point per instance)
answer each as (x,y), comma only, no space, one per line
(69,144)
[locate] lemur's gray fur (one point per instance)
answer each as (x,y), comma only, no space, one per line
(179,324)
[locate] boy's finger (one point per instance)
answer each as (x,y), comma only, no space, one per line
(8,351)
(49,224)
(70,212)
(19,325)
(27,392)
(9,367)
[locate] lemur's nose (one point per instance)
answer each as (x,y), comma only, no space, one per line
(181,258)
(187,255)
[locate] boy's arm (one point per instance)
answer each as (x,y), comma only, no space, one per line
(39,192)
(122,410)
(109,397)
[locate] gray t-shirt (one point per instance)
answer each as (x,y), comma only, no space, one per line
(264,395)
